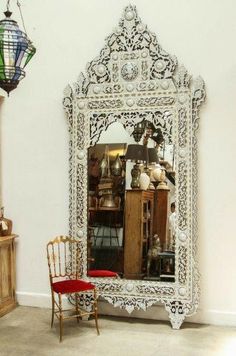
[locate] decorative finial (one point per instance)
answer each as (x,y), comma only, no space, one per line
(8,13)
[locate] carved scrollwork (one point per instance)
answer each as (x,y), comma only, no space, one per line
(81,129)
(147,86)
(182,78)
(182,189)
(115,88)
(99,123)
(182,129)
(198,97)
(68,104)
(161,119)
(183,258)
(81,86)
(163,65)
(109,287)
(154,101)
(80,206)
(150,289)
(105,104)
(129,303)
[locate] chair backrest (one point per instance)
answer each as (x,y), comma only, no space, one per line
(63,254)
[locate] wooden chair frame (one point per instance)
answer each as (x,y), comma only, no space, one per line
(62,271)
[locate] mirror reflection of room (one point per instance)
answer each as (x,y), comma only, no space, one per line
(131,205)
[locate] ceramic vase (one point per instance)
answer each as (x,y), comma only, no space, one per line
(116,167)
(144,181)
(5,225)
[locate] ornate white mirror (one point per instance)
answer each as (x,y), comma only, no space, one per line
(135,247)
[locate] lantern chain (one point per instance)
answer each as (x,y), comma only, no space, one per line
(19,5)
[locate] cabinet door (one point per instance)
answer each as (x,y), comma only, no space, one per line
(138,230)
(7,276)
(133,235)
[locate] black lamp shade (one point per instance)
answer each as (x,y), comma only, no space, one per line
(152,156)
(137,153)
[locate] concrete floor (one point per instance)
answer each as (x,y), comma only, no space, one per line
(26,332)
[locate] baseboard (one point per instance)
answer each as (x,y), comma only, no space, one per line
(157,312)
(34,299)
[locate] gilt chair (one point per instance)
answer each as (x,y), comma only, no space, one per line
(64,275)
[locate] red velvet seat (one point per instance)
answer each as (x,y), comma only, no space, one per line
(102,273)
(72,286)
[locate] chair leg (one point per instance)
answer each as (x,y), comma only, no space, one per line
(95,309)
(76,307)
(60,316)
(53,306)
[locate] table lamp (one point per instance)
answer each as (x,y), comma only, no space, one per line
(138,154)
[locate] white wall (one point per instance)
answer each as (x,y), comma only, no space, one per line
(67,34)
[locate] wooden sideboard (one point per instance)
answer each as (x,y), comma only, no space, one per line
(7,274)
(160,218)
(139,207)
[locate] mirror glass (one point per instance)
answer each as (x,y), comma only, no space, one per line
(131,216)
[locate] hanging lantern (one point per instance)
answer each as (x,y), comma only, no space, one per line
(16,50)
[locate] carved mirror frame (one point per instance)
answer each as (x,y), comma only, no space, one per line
(133,79)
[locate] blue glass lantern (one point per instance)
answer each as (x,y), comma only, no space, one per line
(16,50)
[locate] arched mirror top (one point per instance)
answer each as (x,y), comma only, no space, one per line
(134,80)
(135,73)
